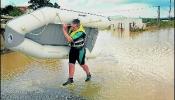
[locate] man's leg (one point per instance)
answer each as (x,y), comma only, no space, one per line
(81,60)
(71,70)
(71,74)
(72,60)
(85,68)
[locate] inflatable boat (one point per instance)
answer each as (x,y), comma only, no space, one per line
(39,33)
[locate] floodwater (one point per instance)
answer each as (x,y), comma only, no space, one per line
(135,66)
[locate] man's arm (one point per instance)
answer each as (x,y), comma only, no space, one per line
(69,39)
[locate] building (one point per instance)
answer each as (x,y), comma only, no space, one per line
(24,9)
(127,23)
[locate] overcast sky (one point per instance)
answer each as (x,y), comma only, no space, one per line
(128,8)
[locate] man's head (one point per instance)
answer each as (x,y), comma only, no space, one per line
(75,24)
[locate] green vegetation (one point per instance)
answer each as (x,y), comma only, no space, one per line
(15,12)
(35,4)
(151,24)
(11,11)
(164,23)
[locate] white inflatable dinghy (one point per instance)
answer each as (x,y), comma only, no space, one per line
(39,33)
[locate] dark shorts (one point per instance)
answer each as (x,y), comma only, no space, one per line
(77,54)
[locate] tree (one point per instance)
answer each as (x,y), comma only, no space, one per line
(35,4)
(15,12)
(11,11)
(7,9)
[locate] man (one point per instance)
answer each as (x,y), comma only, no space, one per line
(76,38)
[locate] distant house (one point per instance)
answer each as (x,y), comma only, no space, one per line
(121,22)
(24,9)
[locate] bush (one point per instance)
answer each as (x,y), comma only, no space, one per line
(163,23)
(11,11)
(15,12)
(167,23)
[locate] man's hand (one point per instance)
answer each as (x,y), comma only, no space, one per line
(69,39)
(65,28)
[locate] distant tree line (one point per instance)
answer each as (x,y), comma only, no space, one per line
(33,4)
(164,22)
(11,11)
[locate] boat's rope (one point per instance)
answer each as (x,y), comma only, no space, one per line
(45,26)
(61,21)
(35,17)
(48,60)
(57,14)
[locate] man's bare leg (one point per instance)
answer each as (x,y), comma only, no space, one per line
(71,70)
(71,74)
(86,69)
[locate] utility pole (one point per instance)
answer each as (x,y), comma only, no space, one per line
(170,11)
(158,15)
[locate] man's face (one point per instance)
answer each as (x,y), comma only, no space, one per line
(74,26)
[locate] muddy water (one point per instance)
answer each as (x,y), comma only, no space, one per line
(137,66)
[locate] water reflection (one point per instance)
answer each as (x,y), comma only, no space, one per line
(129,67)
(120,33)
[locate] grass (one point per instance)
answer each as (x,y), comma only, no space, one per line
(151,24)
(163,23)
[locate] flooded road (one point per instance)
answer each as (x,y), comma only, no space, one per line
(135,66)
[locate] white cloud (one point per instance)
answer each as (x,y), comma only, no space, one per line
(125,9)
(165,12)
(23,4)
(106,7)
(132,10)
(129,10)
(14,3)
(112,1)
(2,3)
